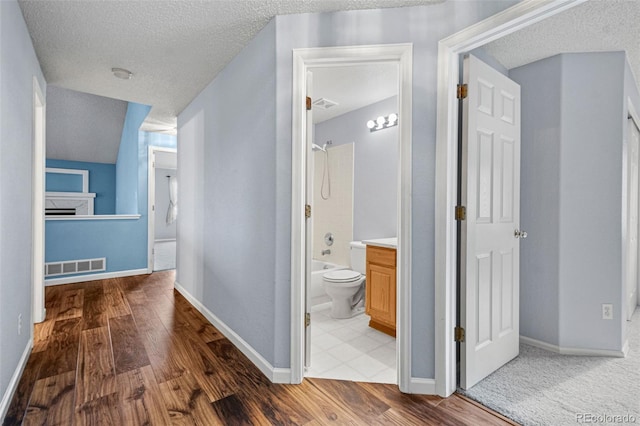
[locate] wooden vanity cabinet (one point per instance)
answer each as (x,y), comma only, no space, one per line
(380,300)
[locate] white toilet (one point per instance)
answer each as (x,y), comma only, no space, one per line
(346,286)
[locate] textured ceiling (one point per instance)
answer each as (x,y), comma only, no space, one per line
(594,26)
(83,127)
(174,48)
(352,87)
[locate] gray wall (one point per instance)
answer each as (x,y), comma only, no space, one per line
(240,125)
(162,230)
(83,127)
(540,84)
(18,65)
(227,261)
(572,198)
(375,209)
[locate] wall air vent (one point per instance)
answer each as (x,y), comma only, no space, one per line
(68,267)
(324,103)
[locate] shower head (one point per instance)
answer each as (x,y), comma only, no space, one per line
(315,147)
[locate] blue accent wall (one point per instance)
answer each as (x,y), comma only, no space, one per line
(58,182)
(127,164)
(122,242)
(102,182)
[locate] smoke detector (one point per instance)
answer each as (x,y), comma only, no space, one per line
(324,103)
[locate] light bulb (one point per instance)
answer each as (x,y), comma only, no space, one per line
(371,124)
(392,119)
(381,120)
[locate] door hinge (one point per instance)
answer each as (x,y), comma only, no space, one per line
(461,213)
(308,103)
(459,334)
(307,211)
(307,319)
(462,91)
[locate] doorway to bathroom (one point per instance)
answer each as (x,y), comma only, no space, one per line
(351,208)
(353,184)
(163,200)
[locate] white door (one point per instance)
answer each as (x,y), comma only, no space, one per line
(632,217)
(490,235)
(308,223)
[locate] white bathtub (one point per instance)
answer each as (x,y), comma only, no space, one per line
(317,295)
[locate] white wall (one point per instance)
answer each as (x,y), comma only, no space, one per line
(240,127)
(18,65)
(162,230)
(335,214)
(572,202)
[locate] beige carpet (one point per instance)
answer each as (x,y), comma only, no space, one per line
(544,388)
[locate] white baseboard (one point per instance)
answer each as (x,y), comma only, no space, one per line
(574,351)
(422,386)
(276,375)
(13,383)
(625,348)
(95,277)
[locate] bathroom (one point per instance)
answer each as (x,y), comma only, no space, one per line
(354,180)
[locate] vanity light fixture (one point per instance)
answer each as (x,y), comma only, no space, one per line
(382,122)
(122,73)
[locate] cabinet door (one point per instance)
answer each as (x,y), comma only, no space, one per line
(382,293)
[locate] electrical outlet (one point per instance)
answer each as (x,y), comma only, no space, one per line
(19,324)
(607,311)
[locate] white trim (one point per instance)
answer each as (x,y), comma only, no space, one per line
(83,173)
(510,20)
(15,379)
(304,59)
(78,195)
(563,350)
(38,311)
(96,217)
(151,199)
(94,277)
(422,386)
(165,240)
(275,374)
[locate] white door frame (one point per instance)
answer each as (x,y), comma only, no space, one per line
(151,200)
(38,311)
(450,49)
(304,59)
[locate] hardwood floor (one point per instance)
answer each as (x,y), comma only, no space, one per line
(133,351)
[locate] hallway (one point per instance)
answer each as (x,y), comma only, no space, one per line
(133,351)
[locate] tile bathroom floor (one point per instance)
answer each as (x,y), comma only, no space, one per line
(349,349)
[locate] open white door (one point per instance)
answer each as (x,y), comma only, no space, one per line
(308,228)
(632,217)
(490,234)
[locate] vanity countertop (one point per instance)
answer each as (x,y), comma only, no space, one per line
(382,242)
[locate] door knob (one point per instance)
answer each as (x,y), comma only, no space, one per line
(520,234)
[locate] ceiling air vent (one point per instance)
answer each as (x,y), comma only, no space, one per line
(324,103)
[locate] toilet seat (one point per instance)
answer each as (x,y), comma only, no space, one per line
(342,276)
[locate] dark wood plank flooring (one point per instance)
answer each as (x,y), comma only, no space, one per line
(133,351)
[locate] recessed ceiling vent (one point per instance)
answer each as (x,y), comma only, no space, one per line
(324,103)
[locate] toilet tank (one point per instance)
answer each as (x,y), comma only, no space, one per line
(358,257)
